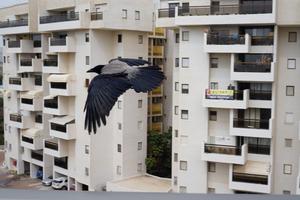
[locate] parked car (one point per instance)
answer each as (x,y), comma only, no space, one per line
(48,181)
(39,174)
(60,183)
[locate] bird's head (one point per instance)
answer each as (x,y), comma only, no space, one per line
(96,69)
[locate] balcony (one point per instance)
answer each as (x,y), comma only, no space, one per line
(62,85)
(21,121)
(214,43)
(252,177)
(158,51)
(157,91)
(14,27)
(159,33)
(32,139)
(63,127)
(30,65)
(66,21)
(32,100)
(255,13)
(56,105)
(37,155)
(156,109)
(61,162)
(56,147)
(62,45)
(227,99)
(20,46)
(156,126)
(20,84)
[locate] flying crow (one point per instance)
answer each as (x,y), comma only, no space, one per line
(112,81)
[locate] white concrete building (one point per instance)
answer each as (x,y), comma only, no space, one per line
(236,108)
(48,47)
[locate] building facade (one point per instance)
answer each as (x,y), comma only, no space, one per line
(235,100)
(48,47)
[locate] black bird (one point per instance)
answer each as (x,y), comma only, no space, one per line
(112,81)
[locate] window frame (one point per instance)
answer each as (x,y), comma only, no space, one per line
(185,36)
(290,37)
(287,171)
(287,90)
(124,13)
(295,63)
(185,116)
(137,15)
(185,59)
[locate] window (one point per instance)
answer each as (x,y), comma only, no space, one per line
(38,80)
(4,59)
(119,170)
(289,118)
(87,37)
(140,103)
(185,62)
(124,14)
(87,60)
(213,115)
(291,64)
(87,149)
(182,189)
(119,104)
(185,35)
(211,190)
(8,59)
(175,180)
(140,167)
(287,169)
(286,192)
(86,171)
(176,86)
(119,148)
(140,146)
(290,90)
(87,83)
(288,142)
(137,15)
(4,42)
(119,126)
(176,62)
(184,114)
(184,88)
(211,167)
(175,157)
(176,108)
(183,165)
(214,85)
(177,36)
(214,62)
(176,133)
(140,39)
(119,38)
(140,125)
(39,118)
(292,36)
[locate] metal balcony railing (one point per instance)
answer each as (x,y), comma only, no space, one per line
(96,16)
(61,162)
(166,13)
(14,44)
(251,123)
(58,127)
(252,67)
(261,95)
(27,140)
(223,149)
(26,62)
(262,40)
(51,145)
(58,42)
(50,62)
(250,178)
(37,156)
(73,16)
(58,85)
(237,95)
(15,118)
(14,23)
(51,103)
(15,81)
(27,101)
(259,149)
(215,39)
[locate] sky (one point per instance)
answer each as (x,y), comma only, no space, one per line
(4,3)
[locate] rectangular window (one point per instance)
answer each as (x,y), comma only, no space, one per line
(176,133)
(8,59)
(289,118)
(140,39)
(291,63)
(87,60)
(38,81)
(87,37)
(185,35)
(119,38)
(140,125)
(288,142)
(290,90)
(140,146)
(176,62)
(4,42)
(213,115)
(124,14)
(214,62)
(87,171)
(119,104)
(214,85)
(119,148)
(176,109)
(182,189)
(137,15)
(119,126)
(292,36)
(183,165)
(140,103)
(4,59)
(211,167)
(176,86)
(177,36)
(185,62)
(175,157)
(286,192)
(39,118)
(119,170)
(175,180)
(287,169)
(184,114)
(140,167)
(87,149)
(184,88)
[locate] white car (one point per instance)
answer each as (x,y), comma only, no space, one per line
(60,183)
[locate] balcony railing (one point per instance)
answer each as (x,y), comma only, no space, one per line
(251,123)
(59,18)
(37,156)
(228,95)
(96,16)
(28,140)
(27,101)
(51,145)
(166,13)
(252,67)
(61,162)
(58,127)
(260,95)
(223,149)
(15,118)
(215,39)
(51,103)
(58,42)
(15,81)
(14,23)
(50,62)
(259,149)
(14,44)
(58,85)
(26,62)
(262,40)
(250,178)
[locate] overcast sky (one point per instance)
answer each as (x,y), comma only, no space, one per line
(4,3)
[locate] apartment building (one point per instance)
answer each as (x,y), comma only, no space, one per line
(48,47)
(236,108)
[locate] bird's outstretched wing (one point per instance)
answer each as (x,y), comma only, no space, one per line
(131,61)
(145,79)
(103,93)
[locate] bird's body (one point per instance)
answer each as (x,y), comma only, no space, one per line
(112,81)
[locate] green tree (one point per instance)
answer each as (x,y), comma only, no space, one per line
(159,154)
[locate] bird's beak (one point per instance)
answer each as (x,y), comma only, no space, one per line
(90,71)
